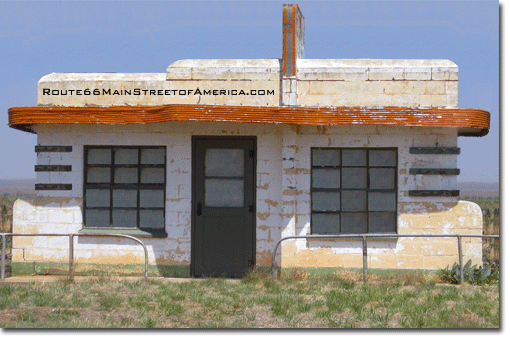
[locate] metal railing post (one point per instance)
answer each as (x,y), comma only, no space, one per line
(146,252)
(71,257)
(273,260)
(365,264)
(461,259)
(364,238)
(71,249)
(2,267)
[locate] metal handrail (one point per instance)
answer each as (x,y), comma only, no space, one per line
(365,249)
(71,249)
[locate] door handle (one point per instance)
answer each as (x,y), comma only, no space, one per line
(199,209)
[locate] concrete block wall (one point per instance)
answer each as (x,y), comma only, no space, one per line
(366,82)
(283,196)
(362,82)
(210,82)
(416,215)
(45,213)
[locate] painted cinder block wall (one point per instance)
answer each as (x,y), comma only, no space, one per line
(343,83)
(65,207)
(283,197)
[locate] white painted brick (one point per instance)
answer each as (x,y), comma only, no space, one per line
(445,73)
(60,216)
(418,73)
(274,143)
(385,74)
(178,73)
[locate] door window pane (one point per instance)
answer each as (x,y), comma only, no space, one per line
(224,162)
(99,156)
(325,223)
(153,219)
(381,221)
(354,200)
(354,157)
(354,178)
(382,178)
(126,156)
(97,198)
(123,198)
(153,175)
(97,218)
(152,198)
(153,156)
(353,223)
(381,201)
(124,218)
(326,178)
(126,175)
(98,175)
(326,157)
(382,158)
(325,201)
(224,192)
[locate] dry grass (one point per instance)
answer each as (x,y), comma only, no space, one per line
(296,300)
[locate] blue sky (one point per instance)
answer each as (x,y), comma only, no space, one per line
(38,38)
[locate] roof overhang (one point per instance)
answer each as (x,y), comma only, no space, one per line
(469,122)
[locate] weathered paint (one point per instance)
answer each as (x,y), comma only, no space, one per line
(293,39)
(434,171)
(435,150)
(409,253)
(53,168)
(24,117)
(53,149)
(421,83)
(53,186)
(283,196)
(427,193)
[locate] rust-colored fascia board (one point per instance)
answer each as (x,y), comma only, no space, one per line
(477,121)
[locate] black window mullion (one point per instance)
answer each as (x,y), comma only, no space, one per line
(111,186)
(366,190)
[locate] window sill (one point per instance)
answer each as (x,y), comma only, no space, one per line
(130,232)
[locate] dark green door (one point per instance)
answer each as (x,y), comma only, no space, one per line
(223,229)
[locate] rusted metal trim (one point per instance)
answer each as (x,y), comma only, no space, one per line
(52,186)
(286,35)
(53,149)
(434,171)
(23,117)
(293,35)
(50,168)
(433,193)
(435,150)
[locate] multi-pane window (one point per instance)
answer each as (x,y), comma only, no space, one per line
(354,190)
(125,188)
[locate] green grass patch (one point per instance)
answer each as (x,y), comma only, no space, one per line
(296,300)
(98,270)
